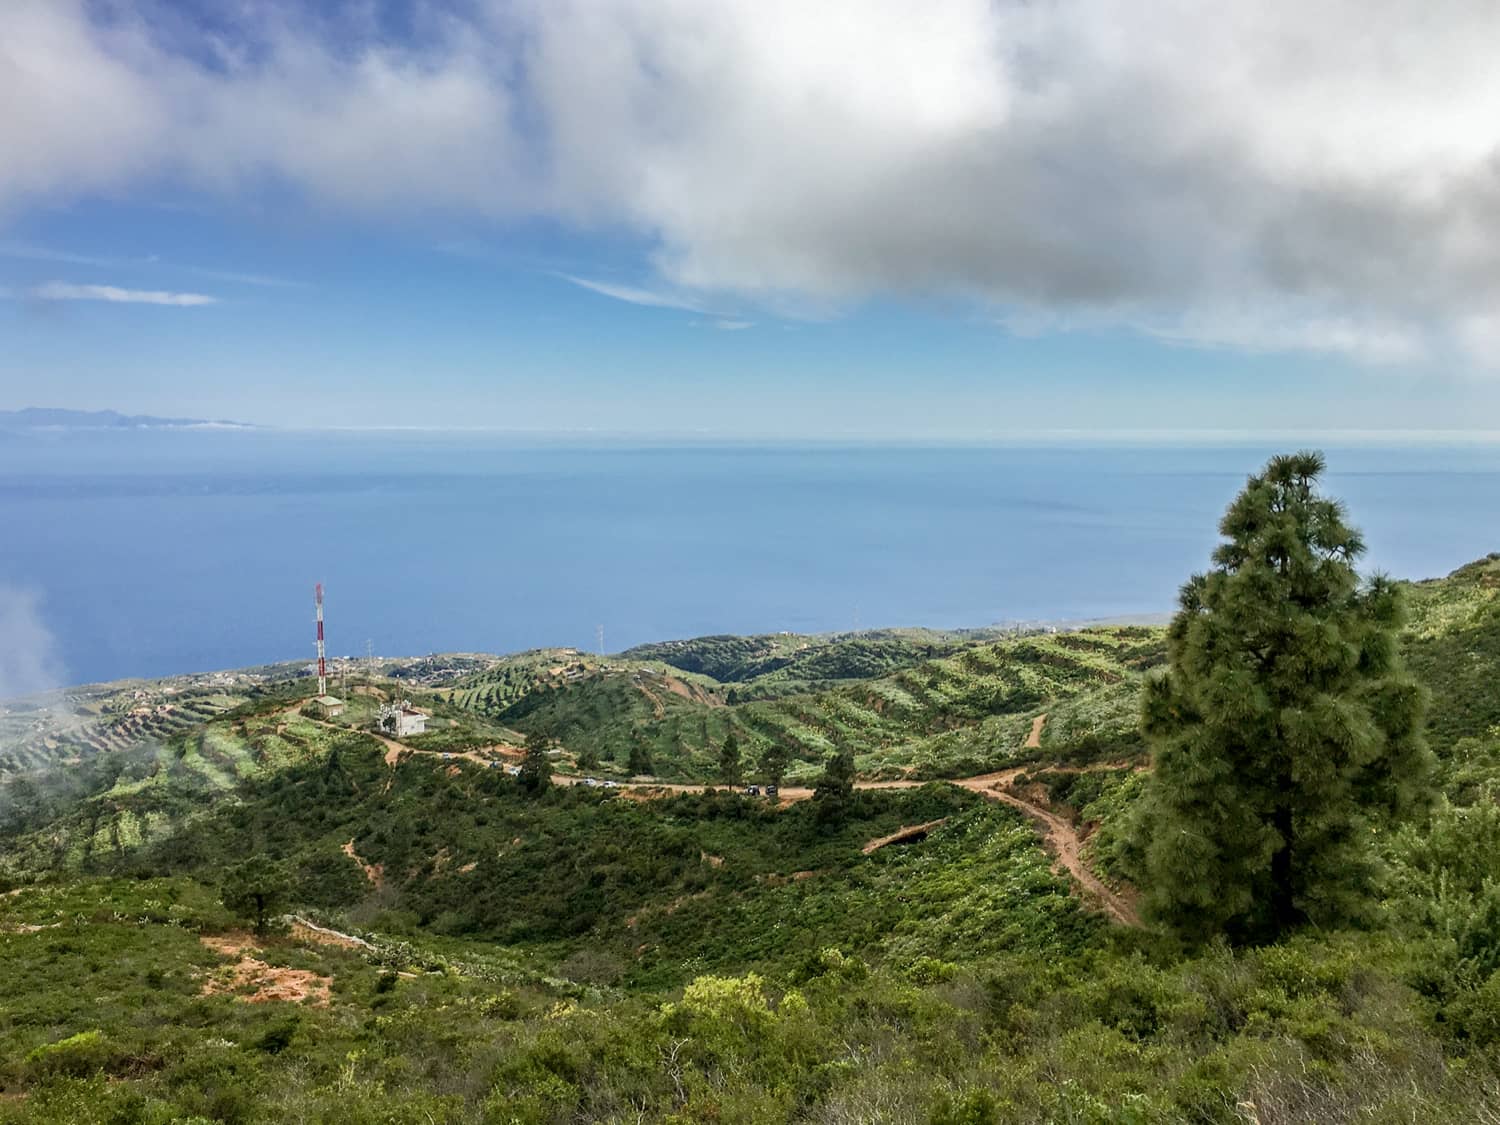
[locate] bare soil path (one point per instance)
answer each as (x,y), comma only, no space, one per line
(1061,838)
(374,872)
(1034,739)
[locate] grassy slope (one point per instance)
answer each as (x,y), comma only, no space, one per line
(1453,645)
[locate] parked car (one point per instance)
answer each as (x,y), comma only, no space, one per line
(752,790)
(771,790)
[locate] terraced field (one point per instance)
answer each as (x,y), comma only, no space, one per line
(961,713)
(77,725)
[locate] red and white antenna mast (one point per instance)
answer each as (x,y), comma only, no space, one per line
(322,663)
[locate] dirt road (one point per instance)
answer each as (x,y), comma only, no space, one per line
(1061,839)
(1034,739)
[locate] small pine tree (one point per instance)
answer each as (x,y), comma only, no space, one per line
(835,789)
(773,763)
(640,764)
(731,769)
(1285,731)
(536,767)
(257,890)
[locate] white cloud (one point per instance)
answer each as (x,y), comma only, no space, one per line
(733,325)
(27,252)
(1303,174)
(635,295)
(29,659)
(65,291)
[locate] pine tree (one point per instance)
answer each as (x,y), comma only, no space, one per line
(640,764)
(773,763)
(256,889)
(1285,732)
(730,767)
(536,767)
(835,789)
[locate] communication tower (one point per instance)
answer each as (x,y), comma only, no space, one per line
(322,662)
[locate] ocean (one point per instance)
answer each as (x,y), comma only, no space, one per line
(155,552)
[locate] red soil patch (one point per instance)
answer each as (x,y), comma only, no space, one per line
(253,981)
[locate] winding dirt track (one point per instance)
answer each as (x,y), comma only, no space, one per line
(1061,838)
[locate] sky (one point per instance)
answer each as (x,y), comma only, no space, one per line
(908,218)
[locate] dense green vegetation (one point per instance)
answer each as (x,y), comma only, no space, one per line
(555,953)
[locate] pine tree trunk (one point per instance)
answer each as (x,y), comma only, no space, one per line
(1283,901)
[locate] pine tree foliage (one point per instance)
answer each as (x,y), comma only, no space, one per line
(835,788)
(731,768)
(257,889)
(536,767)
(1286,732)
(773,762)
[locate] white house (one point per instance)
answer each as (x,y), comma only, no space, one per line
(410,721)
(401,719)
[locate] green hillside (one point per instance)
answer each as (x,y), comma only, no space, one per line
(964,712)
(585,953)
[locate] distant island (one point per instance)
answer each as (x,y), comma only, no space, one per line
(47,418)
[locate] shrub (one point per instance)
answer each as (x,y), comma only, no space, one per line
(77,1056)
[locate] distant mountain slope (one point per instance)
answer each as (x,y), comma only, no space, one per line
(49,418)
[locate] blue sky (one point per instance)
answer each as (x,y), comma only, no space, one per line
(767,218)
